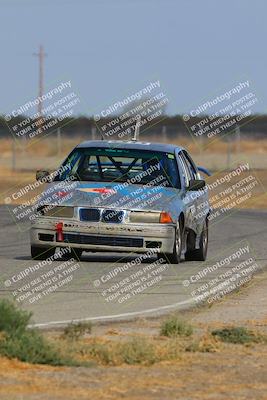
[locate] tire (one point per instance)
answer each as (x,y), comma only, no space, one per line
(175,256)
(42,253)
(201,253)
(74,253)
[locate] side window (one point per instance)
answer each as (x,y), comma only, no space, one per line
(190,166)
(91,164)
(71,164)
(186,177)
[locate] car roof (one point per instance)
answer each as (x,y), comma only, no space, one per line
(135,145)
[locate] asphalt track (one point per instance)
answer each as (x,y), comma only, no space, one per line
(91,290)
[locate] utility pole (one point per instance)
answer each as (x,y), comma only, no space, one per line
(164,134)
(93,133)
(59,147)
(14,164)
(41,55)
(238,139)
(229,151)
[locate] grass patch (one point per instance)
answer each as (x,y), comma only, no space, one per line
(17,341)
(205,344)
(174,327)
(77,331)
(138,351)
(135,351)
(236,335)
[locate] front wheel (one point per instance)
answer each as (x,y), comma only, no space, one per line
(74,253)
(175,256)
(201,253)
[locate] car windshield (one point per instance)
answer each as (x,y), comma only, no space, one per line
(121,165)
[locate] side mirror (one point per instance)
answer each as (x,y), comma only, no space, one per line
(41,174)
(196,184)
(204,170)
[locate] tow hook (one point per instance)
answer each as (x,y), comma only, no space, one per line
(59,232)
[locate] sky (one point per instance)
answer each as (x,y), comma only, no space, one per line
(110,49)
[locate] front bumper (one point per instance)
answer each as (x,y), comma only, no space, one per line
(136,238)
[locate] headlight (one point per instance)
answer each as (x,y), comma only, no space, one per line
(56,211)
(150,217)
(145,217)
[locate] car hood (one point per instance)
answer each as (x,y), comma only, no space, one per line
(112,195)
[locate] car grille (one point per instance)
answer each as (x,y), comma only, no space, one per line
(90,214)
(103,240)
(107,216)
(112,216)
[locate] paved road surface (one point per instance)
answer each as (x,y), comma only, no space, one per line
(96,289)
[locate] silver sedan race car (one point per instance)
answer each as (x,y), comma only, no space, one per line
(120,196)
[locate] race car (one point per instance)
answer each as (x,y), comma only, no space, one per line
(119,196)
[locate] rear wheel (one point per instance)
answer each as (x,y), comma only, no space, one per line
(201,253)
(42,253)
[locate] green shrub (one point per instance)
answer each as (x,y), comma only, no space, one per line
(13,320)
(175,327)
(17,341)
(235,335)
(31,347)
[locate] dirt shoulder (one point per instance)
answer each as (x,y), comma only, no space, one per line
(246,307)
(234,373)
(218,371)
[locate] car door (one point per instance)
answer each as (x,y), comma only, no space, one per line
(190,198)
(201,196)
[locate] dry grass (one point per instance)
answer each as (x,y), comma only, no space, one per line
(148,368)
(48,146)
(214,146)
(43,155)
(135,351)
(143,349)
